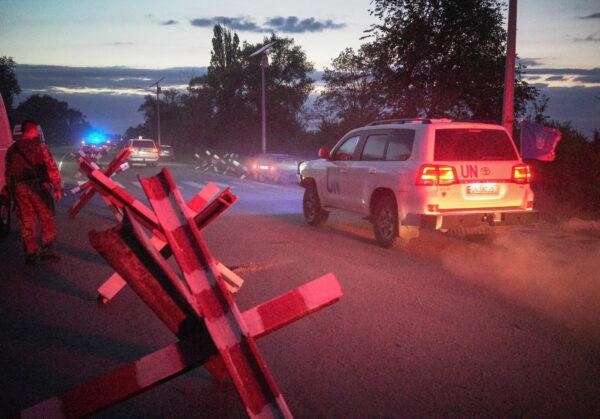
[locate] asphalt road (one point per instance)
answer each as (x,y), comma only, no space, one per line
(446,327)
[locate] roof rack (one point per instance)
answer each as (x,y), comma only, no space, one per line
(408,121)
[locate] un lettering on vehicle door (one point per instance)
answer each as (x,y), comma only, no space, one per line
(333,180)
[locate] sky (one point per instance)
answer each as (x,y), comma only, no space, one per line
(94,54)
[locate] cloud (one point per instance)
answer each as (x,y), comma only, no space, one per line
(593,37)
(592,16)
(594,78)
(169,22)
(293,24)
(118,44)
(555,78)
(564,71)
(113,79)
(236,23)
(290,24)
(530,62)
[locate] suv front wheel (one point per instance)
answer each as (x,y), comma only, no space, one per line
(314,214)
(385,220)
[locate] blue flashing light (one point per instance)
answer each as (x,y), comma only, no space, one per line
(96,138)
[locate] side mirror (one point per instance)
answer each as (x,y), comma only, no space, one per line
(324,153)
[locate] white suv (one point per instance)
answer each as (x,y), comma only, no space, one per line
(404,175)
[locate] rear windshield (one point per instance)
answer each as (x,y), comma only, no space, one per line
(143,144)
(472,145)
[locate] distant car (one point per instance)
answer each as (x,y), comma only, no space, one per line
(281,168)
(166,153)
(143,151)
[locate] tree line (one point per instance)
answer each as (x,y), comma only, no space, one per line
(422,58)
(434,58)
(61,123)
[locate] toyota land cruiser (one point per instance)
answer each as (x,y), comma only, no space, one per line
(408,174)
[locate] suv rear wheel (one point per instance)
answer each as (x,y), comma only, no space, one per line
(385,220)
(314,214)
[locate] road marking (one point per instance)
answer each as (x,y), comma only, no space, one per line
(201,185)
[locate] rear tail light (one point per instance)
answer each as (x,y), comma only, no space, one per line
(521,173)
(255,166)
(155,150)
(271,168)
(132,149)
(434,175)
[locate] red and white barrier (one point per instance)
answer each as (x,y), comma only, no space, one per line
(194,303)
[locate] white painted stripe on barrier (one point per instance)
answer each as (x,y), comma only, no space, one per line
(51,408)
(229,335)
(312,291)
(169,361)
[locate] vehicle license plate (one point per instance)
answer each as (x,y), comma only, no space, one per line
(263,167)
(482,189)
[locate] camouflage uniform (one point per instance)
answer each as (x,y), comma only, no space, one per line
(31,191)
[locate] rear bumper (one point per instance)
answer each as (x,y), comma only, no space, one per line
(142,159)
(468,220)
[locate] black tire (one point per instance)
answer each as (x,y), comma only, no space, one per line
(385,220)
(314,214)
(4,219)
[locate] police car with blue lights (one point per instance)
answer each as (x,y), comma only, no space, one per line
(405,175)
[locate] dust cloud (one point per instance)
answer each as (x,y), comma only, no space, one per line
(553,269)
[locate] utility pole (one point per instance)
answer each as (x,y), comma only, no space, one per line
(264,64)
(508,111)
(157,84)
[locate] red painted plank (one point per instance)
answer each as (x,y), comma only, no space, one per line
(207,209)
(224,322)
(293,305)
(112,168)
(125,382)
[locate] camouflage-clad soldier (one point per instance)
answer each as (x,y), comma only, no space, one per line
(34,182)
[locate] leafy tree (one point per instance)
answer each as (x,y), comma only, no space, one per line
(223,86)
(442,58)
(233,87)
(9,86)
(348,99)
(61,123)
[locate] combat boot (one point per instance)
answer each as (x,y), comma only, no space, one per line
(48,255)
(32,259)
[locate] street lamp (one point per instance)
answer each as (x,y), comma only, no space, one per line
(157,84)
(264,63)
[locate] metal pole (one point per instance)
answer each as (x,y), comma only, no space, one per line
(509,69)
(264,63)
(158,112)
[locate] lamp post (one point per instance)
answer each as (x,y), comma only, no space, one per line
(264,63)
(508,110)
(157,84)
